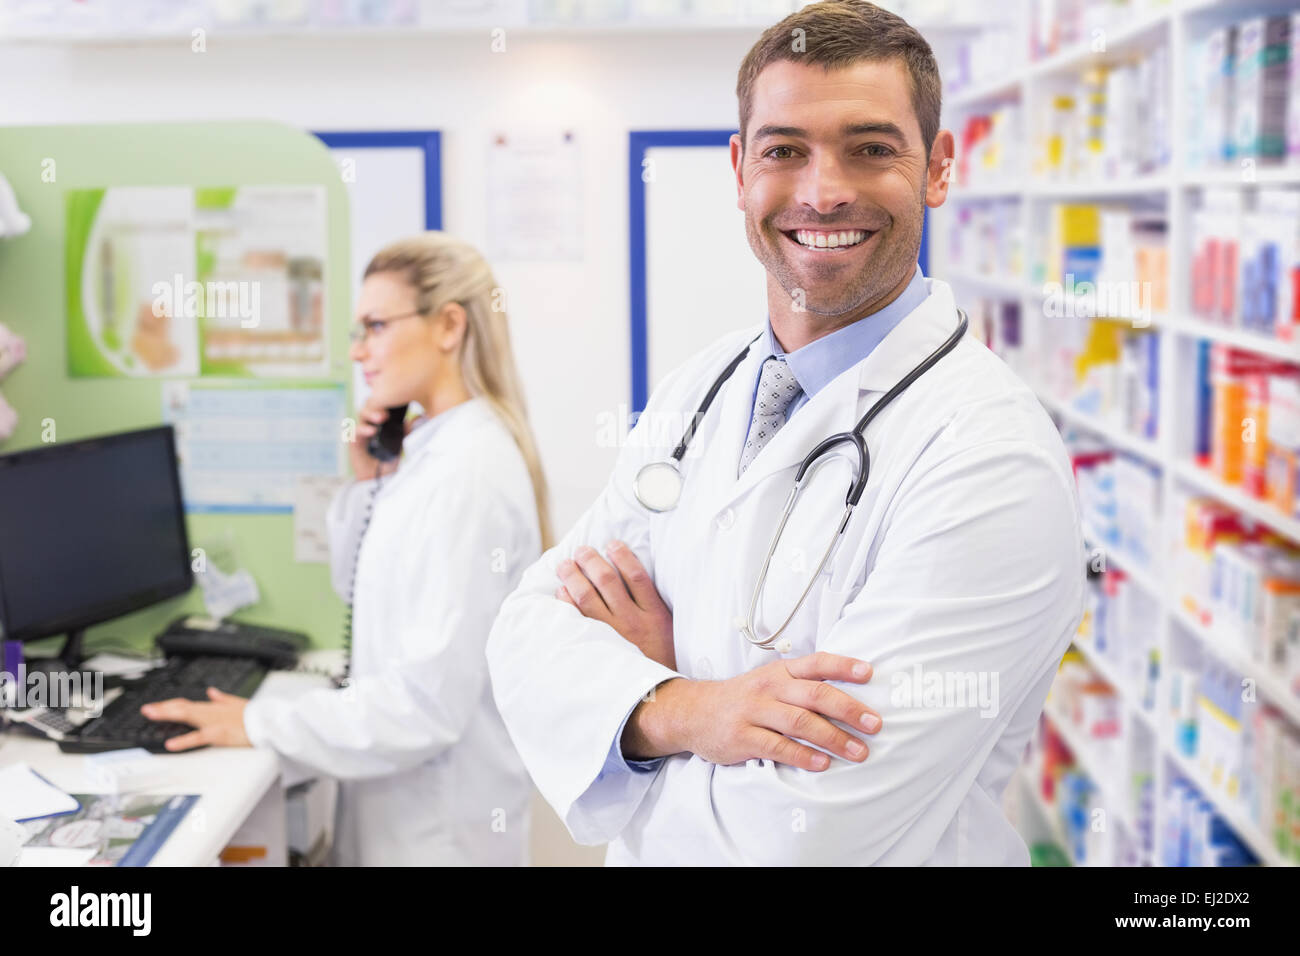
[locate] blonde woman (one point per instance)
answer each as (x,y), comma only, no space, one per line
(439,537)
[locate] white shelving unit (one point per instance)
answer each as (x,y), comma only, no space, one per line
(1176,24)
(1095,763)
(103,26)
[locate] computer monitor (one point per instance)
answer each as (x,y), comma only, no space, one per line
(89,530)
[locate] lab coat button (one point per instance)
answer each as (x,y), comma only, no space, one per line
(726,520)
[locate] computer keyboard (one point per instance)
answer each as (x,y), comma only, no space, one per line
(122,725)
(53,722)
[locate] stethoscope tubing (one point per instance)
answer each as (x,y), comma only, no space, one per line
(811,461)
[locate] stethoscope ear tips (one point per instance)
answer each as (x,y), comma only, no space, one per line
(781,647)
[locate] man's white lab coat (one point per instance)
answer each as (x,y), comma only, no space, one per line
(963,563)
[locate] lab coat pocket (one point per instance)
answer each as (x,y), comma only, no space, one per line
(837,595)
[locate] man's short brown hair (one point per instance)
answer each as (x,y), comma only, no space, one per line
(836,34)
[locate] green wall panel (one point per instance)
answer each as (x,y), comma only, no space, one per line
(32,303)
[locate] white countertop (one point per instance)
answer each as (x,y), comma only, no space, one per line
(230,781)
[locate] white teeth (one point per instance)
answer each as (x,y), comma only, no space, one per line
(832,240)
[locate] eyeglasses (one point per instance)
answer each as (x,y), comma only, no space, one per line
(371,327)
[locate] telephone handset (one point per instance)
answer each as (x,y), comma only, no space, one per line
(386,444)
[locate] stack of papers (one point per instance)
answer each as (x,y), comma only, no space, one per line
(26,795)
(119,665)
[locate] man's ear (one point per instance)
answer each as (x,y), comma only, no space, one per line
(942,168)
(737,166)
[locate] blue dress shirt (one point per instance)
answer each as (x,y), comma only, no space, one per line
(818,363)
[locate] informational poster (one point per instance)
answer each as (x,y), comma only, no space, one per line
(180,281)
(243,448)
(534,202)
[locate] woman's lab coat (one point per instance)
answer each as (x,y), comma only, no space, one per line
(428,775)
(962,565)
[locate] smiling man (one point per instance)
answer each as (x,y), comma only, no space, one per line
(695,678)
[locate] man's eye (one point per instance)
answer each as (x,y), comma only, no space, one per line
(878,149)
(774,149)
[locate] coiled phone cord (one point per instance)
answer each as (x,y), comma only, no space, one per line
(352,584)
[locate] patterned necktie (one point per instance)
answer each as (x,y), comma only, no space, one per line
(777,388)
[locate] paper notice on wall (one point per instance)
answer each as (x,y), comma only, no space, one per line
(311,502)
(534,201)
(243,449)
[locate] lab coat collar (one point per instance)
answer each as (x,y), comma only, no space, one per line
(818,363)
(907,345)
(420,437)
(837,407)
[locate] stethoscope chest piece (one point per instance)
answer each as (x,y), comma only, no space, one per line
(658,485)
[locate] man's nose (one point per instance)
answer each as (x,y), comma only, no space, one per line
(824,184)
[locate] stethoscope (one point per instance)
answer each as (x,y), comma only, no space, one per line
(658,485)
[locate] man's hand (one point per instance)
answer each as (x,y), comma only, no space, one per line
(757,715)
(623,596)
(219,723)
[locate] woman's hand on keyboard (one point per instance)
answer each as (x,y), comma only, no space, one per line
(218,722)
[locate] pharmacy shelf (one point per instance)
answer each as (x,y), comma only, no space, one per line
(1229,809)
(1119,41)
(1006,286)
(1115,435)
(1095,766)
(1156,185)
(110,34)
(1260,511)
(1148,583)
(1106,671)
(1143,577)
(1147,718)
(1175,191)
(998,89)
(983,192)
(1078,306)
(1103,188)
(1271,687)
(1257,176)
(309,33)
(1049,812)
(1237,338)
(1104,668)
